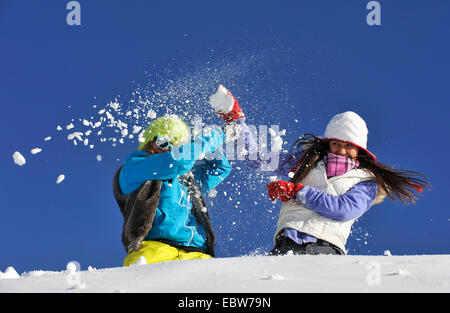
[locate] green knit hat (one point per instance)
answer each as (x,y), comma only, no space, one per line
(170,126)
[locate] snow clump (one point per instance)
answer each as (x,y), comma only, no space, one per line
(36,150)
(10,273)
(60,178)
(18,158)
(222,101)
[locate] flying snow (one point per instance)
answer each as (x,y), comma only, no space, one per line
(60,178)
(36,150)
(18,158)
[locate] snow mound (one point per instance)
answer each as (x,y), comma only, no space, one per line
(10,273)
(261,274)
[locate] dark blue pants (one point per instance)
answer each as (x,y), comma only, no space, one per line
(285,244)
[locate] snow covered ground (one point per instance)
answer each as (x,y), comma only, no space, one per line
(248,274)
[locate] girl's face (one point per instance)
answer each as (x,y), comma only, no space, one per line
(343,148)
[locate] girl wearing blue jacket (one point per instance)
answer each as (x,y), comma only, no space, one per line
(159,191)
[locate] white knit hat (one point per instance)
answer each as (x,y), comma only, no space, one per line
(348,127)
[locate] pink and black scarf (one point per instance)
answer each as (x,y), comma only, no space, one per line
(338,164)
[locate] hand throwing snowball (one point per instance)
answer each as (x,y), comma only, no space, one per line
(226,105)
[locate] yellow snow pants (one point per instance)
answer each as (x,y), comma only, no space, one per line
(155,252)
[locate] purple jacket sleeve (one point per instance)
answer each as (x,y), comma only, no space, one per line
(350,205)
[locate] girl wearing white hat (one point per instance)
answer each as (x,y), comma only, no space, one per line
(334,181)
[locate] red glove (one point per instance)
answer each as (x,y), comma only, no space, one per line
(283,190)
(234,113)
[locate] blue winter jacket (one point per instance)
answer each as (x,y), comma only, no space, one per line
(174,219)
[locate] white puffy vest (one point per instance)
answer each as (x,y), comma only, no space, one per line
(296,216)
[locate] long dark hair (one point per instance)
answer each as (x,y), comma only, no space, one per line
(396,184)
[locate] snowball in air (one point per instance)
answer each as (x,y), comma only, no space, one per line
(18,158)
(273,178)
(151,114)
(114,105)
(60,178)
(212,193)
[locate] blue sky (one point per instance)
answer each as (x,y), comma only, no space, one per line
(290,63)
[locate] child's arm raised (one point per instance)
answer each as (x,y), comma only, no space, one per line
(140,167)
(227,107)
